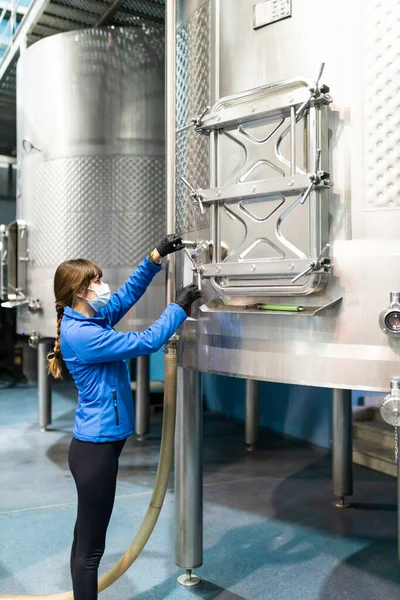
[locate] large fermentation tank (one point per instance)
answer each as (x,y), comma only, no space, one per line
(91,165)
(275,49)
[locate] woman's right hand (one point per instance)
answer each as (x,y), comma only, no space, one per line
(170,244)
(187,295)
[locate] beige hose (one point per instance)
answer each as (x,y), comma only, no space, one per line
(160,488)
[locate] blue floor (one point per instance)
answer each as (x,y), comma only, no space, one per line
(270,530)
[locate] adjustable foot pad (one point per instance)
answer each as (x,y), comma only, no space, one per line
(188,579)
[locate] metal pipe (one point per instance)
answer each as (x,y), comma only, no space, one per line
(342,451)
(189,437)
(13,18)
(10,181)
(142,420)
(110,12)
(398,501)
(189,475)
(314,144)
(143,12)
(170,138)
(24,45)
(3,251)
(293,141)
(394,298)
(252,413)
(215,94)
(8,160)
(44,385)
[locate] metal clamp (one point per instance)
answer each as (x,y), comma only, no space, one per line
(196,196)
(318,178)
(196,122)
(197,269)
(316,93)
(198,249)
(316,265)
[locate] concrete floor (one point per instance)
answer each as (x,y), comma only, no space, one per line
(270,530)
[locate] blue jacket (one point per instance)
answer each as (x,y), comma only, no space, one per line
(96,356)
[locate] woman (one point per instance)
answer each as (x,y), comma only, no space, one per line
(95,356)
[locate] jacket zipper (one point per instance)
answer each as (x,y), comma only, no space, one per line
(116,408)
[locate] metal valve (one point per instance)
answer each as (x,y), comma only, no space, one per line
(316,265)
(389,319)
(390,407)
(34,305)
(33,340)
(390,410)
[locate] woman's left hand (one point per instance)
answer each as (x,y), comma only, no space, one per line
(169,244)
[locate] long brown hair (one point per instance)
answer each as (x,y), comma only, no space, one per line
(71,276)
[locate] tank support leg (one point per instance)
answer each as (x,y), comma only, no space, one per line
(44,385)
(252,413)
(398,504)
(189,475)
(342,451)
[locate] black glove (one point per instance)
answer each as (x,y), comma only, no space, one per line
(168,245)
(187,295)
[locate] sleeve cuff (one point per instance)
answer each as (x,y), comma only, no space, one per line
(152,265)
(179,310)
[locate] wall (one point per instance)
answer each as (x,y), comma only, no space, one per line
(7,211)
(7,195)
(298,411)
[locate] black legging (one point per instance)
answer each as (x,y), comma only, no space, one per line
(94,468)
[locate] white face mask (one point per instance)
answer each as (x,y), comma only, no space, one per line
(103,294)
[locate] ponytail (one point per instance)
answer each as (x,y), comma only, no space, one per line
(70,277)
(55,358)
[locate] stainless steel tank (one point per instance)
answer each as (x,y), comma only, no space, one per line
(91,165)
(274,127)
